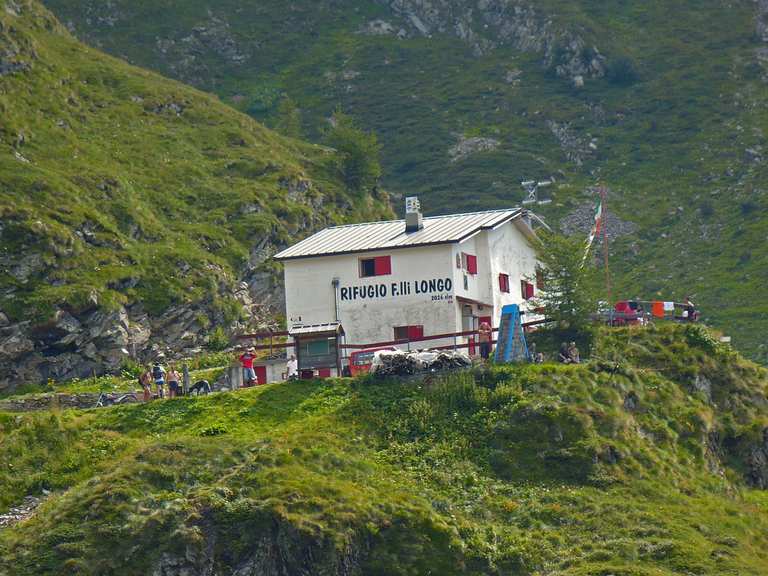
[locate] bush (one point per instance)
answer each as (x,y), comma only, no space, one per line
(218,339)
(360,166)
(707,209)
(748,207)
(213,430)
(622,72)
(288,121)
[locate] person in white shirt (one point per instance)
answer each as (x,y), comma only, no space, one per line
(292,368)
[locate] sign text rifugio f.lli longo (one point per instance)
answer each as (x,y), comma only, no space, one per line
(396,289)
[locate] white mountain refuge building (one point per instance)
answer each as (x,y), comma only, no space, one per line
(401,279)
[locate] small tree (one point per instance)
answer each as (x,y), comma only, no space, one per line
(569,294)
(360,165)
(288,121)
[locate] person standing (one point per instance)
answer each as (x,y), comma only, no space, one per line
(573,353)
(292,367)
(146,383)
(187,379)
(246,361)
(486,333)
(174,379)
(158,373)
(690,310)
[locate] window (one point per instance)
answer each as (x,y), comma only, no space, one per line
(408,332)
(539,278)
(504,283)
(318,348)
(526,290)
(469,263)
(379,266)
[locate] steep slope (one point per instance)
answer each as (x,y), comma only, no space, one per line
(664,102)
(652,461)
(136,212)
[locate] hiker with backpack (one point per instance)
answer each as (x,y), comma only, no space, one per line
(158,373)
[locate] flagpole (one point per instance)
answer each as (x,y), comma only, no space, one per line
(603,200)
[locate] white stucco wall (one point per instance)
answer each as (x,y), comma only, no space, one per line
(503,250)
(310,293)
(511,253)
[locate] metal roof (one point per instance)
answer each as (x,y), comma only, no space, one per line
(390,234)
(318,329)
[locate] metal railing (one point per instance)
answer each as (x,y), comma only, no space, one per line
(384,344)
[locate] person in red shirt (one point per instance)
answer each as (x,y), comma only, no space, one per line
(246,361)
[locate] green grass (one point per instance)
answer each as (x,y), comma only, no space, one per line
(511,470)
(130,188)
(675,138)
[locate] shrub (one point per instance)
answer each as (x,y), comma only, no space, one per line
(360,166)
(213,430)
(622,71)
(748,207)
(707,209)
(218,340)
(288,121)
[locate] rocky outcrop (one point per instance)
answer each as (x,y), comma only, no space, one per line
(577,148)
(581,220)
(212,36)
(77,344)
(466,147)
(20,512)
(41,402)
(757,463)
(488,24)
(761,30)
(280,549)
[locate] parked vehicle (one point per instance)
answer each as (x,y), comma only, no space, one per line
(360,361)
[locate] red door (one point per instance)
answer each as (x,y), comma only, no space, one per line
(261,374)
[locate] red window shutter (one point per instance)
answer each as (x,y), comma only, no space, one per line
(528,290)
(383,265)
(504,282)
(523,289)
(415,332)
(471,264)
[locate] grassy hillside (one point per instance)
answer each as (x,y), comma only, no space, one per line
(673,121)
(639,463)
(119,186)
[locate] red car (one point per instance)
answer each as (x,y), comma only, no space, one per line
(360,361)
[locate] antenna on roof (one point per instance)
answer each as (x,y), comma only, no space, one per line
(531,188)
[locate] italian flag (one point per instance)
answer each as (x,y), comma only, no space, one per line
(598,225)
